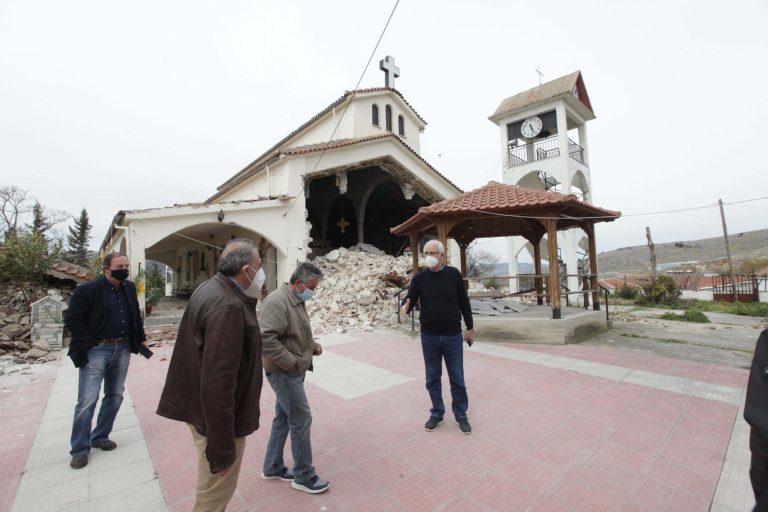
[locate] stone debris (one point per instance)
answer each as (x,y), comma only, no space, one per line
(16,346)
(358,291)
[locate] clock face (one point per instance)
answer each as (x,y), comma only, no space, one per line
(531,127)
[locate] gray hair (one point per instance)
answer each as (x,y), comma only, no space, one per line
(237,253)
(440,246)
(305,272)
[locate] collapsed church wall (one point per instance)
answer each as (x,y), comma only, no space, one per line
(353,294)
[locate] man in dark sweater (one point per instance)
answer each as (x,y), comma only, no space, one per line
(756,414)
(443,298)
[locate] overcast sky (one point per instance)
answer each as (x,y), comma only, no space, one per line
(111,106)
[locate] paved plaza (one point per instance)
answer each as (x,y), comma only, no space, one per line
(555,428)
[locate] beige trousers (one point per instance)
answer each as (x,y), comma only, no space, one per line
(214,491)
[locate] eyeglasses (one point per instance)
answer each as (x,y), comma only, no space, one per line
(432,253)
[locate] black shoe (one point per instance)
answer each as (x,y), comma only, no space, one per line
(432,423)
(464,426)
(104,444)
(313,486)
(284,474)
(79,461)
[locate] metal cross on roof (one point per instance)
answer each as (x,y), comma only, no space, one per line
(539,73)
(390,71)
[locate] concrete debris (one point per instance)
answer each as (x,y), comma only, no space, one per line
(16,347)
(358,291)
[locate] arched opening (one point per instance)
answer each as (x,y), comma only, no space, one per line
(388,113)
(193,253)
(401,126)
(375,114)
(580,187)
(341,223)
(387,207)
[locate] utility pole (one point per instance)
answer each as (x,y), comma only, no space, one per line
(653,254)
(728,252)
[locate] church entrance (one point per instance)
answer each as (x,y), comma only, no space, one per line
(351,207)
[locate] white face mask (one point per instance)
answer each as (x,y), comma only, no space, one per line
(258,279)
(432,261)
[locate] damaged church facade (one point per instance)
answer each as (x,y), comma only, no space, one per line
(342,178)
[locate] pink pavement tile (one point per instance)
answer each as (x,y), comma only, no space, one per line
(665,497)
(725,376)
(542,438)
(23,398)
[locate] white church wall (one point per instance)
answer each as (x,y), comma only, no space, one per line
(322,130)
(364,127)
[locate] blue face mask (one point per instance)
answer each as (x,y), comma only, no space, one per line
(306,295)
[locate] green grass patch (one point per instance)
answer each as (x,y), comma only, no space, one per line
(690,315)
(733,308)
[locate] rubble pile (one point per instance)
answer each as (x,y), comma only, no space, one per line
(358,290)
(15,321)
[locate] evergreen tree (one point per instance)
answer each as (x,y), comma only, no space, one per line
(39,223)
(77,240)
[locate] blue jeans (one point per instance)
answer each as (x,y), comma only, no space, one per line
(108,363)
(436,348)
(292,414)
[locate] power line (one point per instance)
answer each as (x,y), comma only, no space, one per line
(349,102)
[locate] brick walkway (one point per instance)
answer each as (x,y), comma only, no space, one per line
(555,428)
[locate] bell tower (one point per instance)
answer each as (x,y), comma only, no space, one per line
(544,147)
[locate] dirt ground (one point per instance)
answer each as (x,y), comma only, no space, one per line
(727,340)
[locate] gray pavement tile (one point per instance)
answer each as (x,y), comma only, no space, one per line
(120,478)
(145,497)
(352,379)
(54,497)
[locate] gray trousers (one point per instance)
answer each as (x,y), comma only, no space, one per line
(292,415)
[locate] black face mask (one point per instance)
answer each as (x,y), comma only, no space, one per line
(121,274)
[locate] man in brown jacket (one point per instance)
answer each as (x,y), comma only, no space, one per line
(288,351)
(214,378)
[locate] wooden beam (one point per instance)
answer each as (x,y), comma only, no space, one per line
(537,271)
(415,252)
(442,235)
(593,266)
(554,268)
(463,256)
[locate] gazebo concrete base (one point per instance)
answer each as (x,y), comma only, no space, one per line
(535,325)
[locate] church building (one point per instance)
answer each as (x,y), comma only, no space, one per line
(343,177)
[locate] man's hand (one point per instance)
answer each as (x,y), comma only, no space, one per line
(469,337)
(317,349)
(405,307)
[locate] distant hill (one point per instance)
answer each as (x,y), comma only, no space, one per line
(752,244)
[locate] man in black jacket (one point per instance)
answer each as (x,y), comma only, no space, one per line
(756,414)
(440,291)
(106,326)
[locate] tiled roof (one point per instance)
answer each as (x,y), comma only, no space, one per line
(498,197)
(542,93)
(325,146)
(270,154)
(506,200)
(69,271)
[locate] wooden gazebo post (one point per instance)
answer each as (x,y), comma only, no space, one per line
(415,251)
(442,235)
(554,270)
(463,256)
(589,227)
(536,242)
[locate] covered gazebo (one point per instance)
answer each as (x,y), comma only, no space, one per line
(508,210)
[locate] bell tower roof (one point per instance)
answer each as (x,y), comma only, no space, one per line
(569,87)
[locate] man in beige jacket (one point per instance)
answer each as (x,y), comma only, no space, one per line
(287,350)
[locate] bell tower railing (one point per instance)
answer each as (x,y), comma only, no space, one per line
(543,150)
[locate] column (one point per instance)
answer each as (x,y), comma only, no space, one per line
(415,252)
(554,275)
(537,271)
(590,229)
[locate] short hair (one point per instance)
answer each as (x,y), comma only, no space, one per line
(109,257)
(237,252)
(440,246)
(305,272)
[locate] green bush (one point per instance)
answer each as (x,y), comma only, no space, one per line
(750,308)
(627,292)
(690,315)
(664,292)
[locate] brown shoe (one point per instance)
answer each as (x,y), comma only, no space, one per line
(79,461)
(105,444)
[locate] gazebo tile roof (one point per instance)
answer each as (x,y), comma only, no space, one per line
(498,198)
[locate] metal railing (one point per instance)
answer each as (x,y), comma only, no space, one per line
(543,150)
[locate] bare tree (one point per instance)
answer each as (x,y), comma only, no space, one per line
(479,262)
(15,202)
